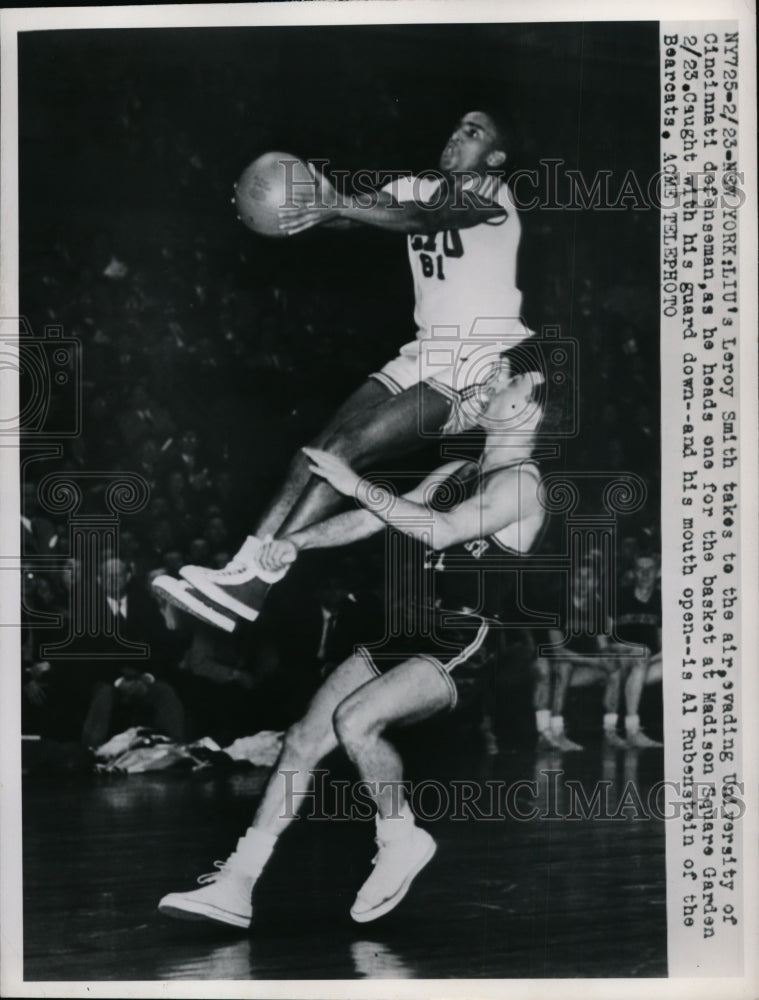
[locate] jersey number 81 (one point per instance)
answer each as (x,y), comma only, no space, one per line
(433,266)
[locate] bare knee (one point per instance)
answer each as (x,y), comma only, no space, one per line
(563,669)
(306,743)
(352,723)
(541,670)
(635,670)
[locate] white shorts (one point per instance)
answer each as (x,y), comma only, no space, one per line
(462,370)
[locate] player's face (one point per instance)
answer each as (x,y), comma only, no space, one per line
(116,573)
(645,573)
(473,145)
(585,583)
(511,405)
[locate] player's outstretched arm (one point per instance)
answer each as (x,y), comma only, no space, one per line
(458,208)
(354,525)
(508,496)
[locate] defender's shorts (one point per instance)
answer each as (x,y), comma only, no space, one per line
(462,370)
(460,645)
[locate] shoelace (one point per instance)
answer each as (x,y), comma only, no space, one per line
(381,845)
(231,569)
(220,866)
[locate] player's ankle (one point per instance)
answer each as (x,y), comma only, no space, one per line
(610,722)
(632,724)
(556,725)
(252,852)
(397,824)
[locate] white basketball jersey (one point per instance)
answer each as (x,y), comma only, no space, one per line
(465,279)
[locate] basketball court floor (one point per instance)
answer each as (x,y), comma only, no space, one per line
(552,896)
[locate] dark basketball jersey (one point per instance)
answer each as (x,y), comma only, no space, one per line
(639,622)
(480,575)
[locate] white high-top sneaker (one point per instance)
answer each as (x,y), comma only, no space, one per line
(181,595)
(225,894)
(241,587)
(396,865)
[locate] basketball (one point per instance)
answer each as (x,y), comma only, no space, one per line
(265,185)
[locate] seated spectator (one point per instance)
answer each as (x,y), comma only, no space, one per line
(217,684)
(185,453)
(638,622)
(626,553)
(128,692)
(38,534)
(173,560)
(176,484)
(142,418)
(581,654)
(149,461)
(311,624)
(199,552)
(162,537)
(53,699)
(130,552)
(216,534)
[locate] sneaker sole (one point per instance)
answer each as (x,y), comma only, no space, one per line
(180,595)
(188,910)
(196,576)
(389,904)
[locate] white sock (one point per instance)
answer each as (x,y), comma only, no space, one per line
(253,850)
(542,719)
(610,721)
(397,825)
(632,723)
(557,724)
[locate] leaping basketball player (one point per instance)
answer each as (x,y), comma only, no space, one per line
(411,676)
(463,236)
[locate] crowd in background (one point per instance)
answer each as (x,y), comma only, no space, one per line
(204,387)
(208,355)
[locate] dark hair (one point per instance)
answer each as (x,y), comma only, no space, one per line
(504,126)
(554,393)
(528,357)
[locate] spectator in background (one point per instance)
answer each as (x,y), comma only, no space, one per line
(216,534)
(628,550)
(162,537)
(38,534)
(638,622)
(579,654)
(176,486)
(143,418)
(149,461)
(172,560)
(318,626)
(217,682)
(130,553)
(53,697)
(199,552)
(127,692)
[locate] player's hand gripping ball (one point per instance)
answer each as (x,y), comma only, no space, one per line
(272,181)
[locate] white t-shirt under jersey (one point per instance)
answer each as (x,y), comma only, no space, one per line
(465,280)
